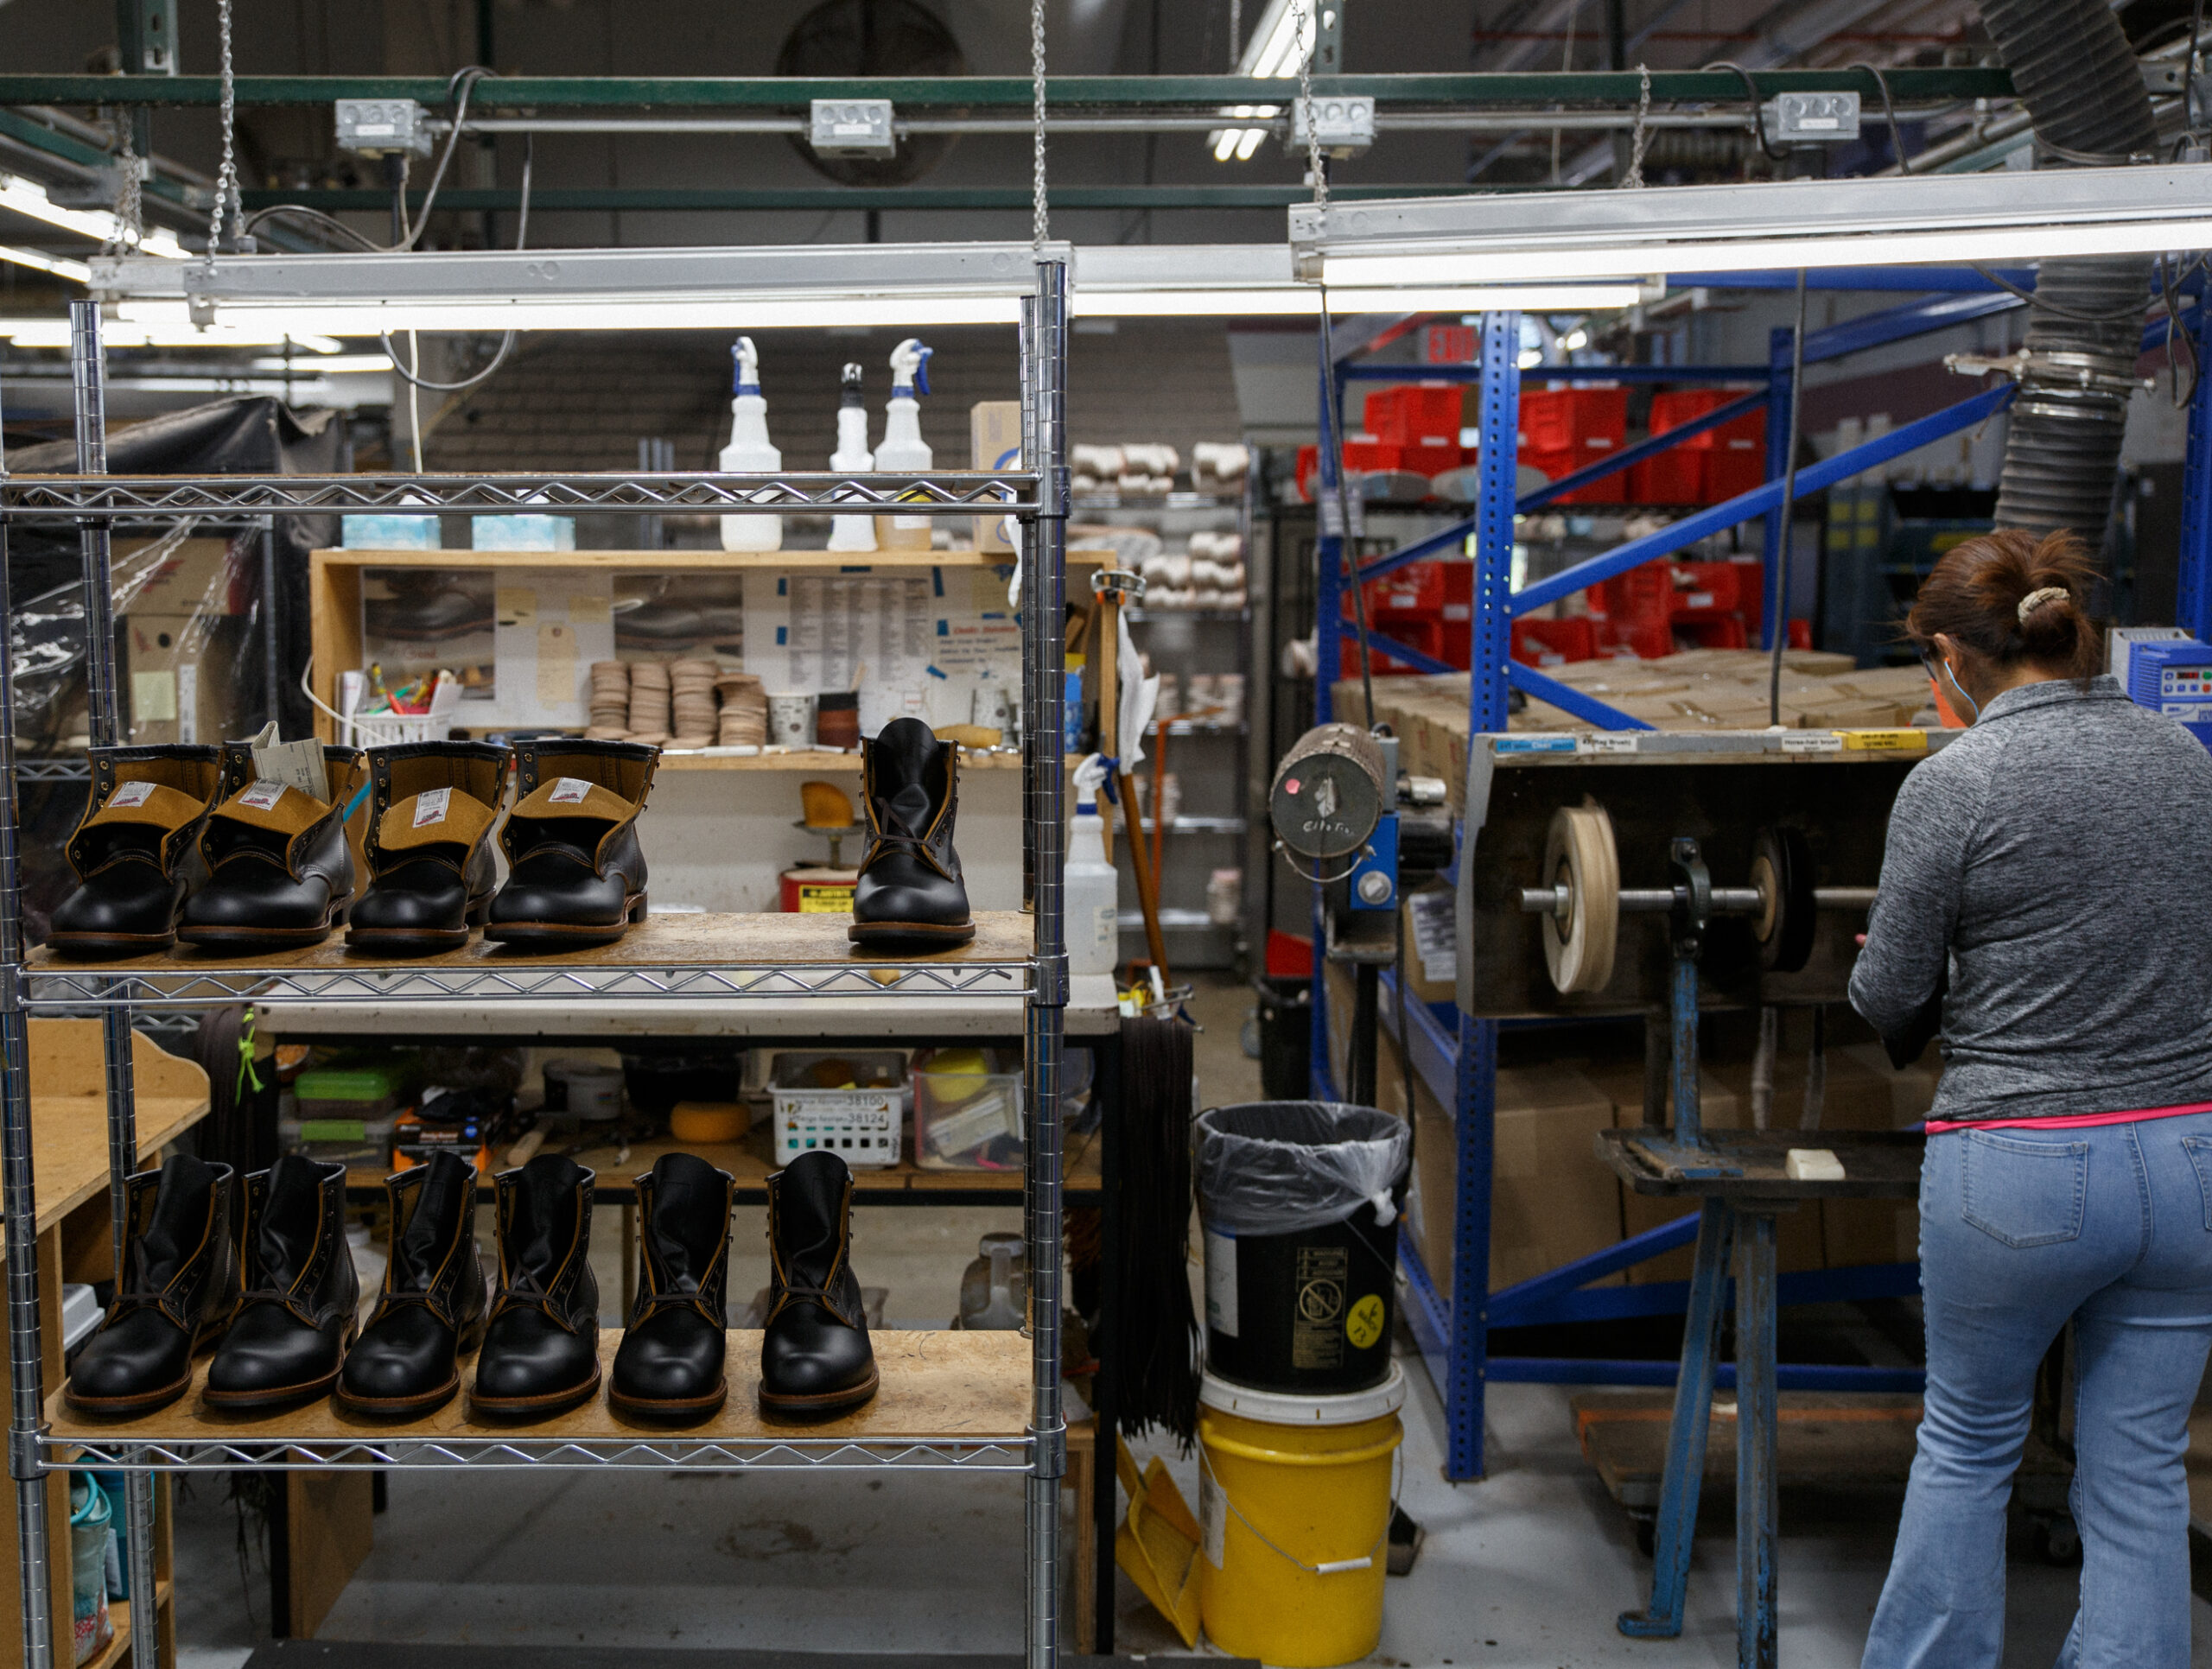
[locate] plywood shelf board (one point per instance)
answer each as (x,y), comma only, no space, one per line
(69,1109)
(118,1613)
(936,1386)
(754,939)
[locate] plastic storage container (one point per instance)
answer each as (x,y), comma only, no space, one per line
(967,1110)
(344,1115)
(849,1102)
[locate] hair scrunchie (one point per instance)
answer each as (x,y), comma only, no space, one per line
(2035,599)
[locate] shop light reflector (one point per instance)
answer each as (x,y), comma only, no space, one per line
(29,198)
(75,271)
(1276,50)
(1552,236)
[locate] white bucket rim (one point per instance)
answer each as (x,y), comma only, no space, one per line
(1303,1408)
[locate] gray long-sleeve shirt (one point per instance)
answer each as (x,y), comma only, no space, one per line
(2059,853)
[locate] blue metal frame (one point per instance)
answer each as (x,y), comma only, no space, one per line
(1452,1332)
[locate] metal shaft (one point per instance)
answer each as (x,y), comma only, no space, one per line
(88,374)
(26,1366)
(1558,900)
(1045,583)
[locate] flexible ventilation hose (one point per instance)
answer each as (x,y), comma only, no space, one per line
(2072,65)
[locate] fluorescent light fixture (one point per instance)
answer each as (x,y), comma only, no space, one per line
(332,364)
(1547,237)
(1138,281)
(29,198)
(753,289)
(176,331)
(75,271)
(1276,49)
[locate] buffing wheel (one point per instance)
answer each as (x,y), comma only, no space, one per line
(1579,853)
(1782,871)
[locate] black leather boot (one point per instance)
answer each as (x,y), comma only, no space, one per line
(406,1363)
(428,845)
(179,1282)
(133,850)
(296,1316)
(910,892)
(816,1358)
(280,862)
(541,1347)
(670,1365)
(576,875)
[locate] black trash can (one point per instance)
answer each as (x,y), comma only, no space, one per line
(1299,1201)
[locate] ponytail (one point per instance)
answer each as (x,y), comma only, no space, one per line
(2012,596)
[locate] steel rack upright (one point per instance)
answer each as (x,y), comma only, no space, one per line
(687,957)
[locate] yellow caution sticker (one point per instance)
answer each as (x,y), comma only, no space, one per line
(1364,1326)
(824,900)
(1876,741)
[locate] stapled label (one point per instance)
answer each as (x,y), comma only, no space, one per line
(430,807)
(130,793)
(1811,742)
(568,790)
(262,796)
(1609,742)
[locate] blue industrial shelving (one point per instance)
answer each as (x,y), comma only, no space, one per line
(1456,1055)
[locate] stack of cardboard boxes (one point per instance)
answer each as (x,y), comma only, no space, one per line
(185,625)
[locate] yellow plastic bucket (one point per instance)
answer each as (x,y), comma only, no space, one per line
(1294,1498)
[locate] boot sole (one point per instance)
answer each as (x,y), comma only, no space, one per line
(553,1402)
(146,1402)
(107,947)
(897,933)
(560,933)
(418,940)
(277,1397)
(825,1402)
(691,1408)
(399,1408)
(244,941)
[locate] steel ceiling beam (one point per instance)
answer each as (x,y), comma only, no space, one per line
(983,91)
(628,198)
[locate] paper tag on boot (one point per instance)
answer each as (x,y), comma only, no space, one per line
(262,796)
(130,793)
(295,764)
(430,807)
(568,790)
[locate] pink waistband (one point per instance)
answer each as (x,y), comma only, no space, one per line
(2070,1122)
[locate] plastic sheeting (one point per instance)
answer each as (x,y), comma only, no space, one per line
(1278,1167)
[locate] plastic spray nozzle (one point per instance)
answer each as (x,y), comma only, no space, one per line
(748,366)
(910,368)
(1088,775)
(850,383)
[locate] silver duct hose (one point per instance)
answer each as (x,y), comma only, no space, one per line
(2073,67)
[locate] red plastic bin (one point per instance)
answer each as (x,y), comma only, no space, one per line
(1733,470)
(1421,415)
(1557,464)
(1573,419)
(1673,477)
(1554,642)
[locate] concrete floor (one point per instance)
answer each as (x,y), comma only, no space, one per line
(1527,1568)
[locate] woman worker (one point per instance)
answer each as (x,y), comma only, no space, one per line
(2047,891)
(2047,894)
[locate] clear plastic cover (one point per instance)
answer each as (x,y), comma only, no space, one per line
(1278,1167)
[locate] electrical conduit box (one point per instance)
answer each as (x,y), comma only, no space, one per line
(383,127)
(851,127)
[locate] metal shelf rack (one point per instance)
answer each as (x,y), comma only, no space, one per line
(1457,1054)
(646,965)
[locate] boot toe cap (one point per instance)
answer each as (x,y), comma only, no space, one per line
(814,1358)
(526,1355)
(661,1362)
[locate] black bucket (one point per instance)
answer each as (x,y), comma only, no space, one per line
(1299,1201)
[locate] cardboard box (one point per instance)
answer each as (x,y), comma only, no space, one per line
(993,442)
(180,677)
(201,576)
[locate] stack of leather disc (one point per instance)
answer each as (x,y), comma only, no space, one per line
(649,701)
(692,687)
(744,715)
(610,700)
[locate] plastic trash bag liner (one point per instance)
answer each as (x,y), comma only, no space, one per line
(1278,1167)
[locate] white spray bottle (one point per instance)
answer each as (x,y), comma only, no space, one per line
(903,451)
(749,452)
(1089,889)
(852,457)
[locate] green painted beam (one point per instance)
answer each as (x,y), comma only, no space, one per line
(629,199)
(979,92)
(69,148)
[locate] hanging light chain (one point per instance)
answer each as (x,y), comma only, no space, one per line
(1040,216)
(1305,101)
(129,204)
(1642,134)
(229,210)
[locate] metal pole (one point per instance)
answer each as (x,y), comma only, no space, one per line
(2193,599)
(272,668)
(1773,604)
(88,375)
(1045,575)
(1330,507)
(1757,1505)
(1035,755)
(26,1364)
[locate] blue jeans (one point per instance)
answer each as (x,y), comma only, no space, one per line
(2020,1232)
